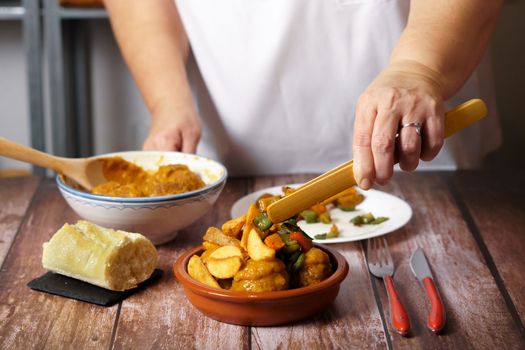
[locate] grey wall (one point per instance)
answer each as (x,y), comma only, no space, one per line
(14,119)
(120,116)
(121,119)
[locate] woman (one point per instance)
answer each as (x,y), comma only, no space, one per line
(273,86)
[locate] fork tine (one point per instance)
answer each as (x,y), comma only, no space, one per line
(390,261)
(379,258)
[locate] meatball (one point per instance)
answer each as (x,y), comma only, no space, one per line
(316,267)
(261,276)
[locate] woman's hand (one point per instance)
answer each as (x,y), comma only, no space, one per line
(439,48)
(404,93)
(174,130)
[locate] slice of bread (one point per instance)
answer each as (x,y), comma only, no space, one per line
(111,259)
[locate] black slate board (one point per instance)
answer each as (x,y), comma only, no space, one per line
(68,287)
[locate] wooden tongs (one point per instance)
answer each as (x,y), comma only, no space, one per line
(342,177)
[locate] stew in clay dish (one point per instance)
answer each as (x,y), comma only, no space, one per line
(252,254)
(125,179)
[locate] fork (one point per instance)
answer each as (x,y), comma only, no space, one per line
(381,265)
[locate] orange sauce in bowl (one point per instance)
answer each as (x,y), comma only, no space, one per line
(126,179)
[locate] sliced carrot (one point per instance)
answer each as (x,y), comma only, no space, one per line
(274,241)
(304,242)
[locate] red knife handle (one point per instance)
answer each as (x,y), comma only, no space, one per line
(400,320)
(436,318)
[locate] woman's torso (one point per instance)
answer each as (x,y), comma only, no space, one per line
(276,81)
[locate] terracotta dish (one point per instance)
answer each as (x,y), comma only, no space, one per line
(262,309)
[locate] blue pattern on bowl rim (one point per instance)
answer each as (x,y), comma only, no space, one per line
(125,205)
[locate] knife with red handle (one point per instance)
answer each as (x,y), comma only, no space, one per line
(420,268)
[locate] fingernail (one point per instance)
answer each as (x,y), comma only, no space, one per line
(364,184)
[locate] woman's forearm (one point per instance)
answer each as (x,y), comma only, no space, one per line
(154,44)
(447,37)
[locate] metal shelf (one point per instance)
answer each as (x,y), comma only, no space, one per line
(82,13)
(67,55)
(67,43)
(28,12)
(11,10)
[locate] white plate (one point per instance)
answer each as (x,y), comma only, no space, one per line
(377,202)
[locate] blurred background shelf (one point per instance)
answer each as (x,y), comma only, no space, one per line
(67,67)
(82,13)
(70,104)
(80,9)
(11,10)
(75,79)
(28,12)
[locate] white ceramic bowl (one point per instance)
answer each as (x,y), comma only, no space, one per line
(158,218)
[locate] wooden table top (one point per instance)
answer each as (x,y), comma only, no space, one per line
(470,224)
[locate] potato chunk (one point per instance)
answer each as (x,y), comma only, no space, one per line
(226,252)
(257,250)
(216,236)
(225,267)
(198,271)
(233,227)
(248,226)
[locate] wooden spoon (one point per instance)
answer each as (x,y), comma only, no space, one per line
(342,177)
(87,172)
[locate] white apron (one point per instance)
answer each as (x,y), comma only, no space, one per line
(276,81)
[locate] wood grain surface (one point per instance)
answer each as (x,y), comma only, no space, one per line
(475,309)
(34,320)
(496,203)
(353,319)
(15,196)
(474,248)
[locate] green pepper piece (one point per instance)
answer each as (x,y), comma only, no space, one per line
(357,220)
(290,221)
(283,231)
(262,221)
(343,208)
(289,226)
(291,246)
(321,236)
(285,235)
(367,218)
(298,263)
(379,220)
(290,242)
(294,256)
(309,216)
